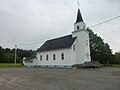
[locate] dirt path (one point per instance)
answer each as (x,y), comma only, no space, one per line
(59,79)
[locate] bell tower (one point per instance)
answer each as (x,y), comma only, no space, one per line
(82,40)
(79,24)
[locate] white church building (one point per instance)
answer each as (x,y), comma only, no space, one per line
(66,51)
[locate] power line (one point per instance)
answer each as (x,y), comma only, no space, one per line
(104,22)
(31,44)
(89,27)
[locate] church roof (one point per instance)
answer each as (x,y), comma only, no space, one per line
(57,43)
(79,17)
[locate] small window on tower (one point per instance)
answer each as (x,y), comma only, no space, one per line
(83,27)
(86,42)
(73,47)
(77,27)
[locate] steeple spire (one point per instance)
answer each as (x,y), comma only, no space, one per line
(79,17)
(79,24)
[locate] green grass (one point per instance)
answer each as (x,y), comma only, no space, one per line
(9,65)
(111,65)
(116,65)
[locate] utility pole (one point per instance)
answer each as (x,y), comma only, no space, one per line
(15,53)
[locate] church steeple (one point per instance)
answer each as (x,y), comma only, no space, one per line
(79,24)
(79,17)
(82,39)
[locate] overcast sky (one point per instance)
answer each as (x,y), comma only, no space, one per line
(29,23)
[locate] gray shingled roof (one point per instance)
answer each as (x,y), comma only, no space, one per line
(57,43)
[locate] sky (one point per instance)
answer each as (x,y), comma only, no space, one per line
(29,23)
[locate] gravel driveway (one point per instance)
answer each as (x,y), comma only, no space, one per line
(59,79)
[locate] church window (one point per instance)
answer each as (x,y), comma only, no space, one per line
(62,56)
(77,27)
(53,56)
(47,57)
(73,47)
(40,57)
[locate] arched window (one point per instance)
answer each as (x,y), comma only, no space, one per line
(53,56)
(62,56)
(40,57)
(47,57)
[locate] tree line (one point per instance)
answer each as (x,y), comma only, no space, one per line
(8,55)
(100,51)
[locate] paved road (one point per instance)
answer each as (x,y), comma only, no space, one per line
(59,79)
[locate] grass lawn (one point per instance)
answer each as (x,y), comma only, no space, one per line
(10,65)
(116,65)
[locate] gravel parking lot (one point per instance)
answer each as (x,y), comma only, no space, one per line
(59,79)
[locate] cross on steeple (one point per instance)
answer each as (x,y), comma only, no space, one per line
(78,4)
(79,16)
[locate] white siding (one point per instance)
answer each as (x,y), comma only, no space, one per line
(81,26)
(68,61)
(74,53)
(82,48)
(30,64)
